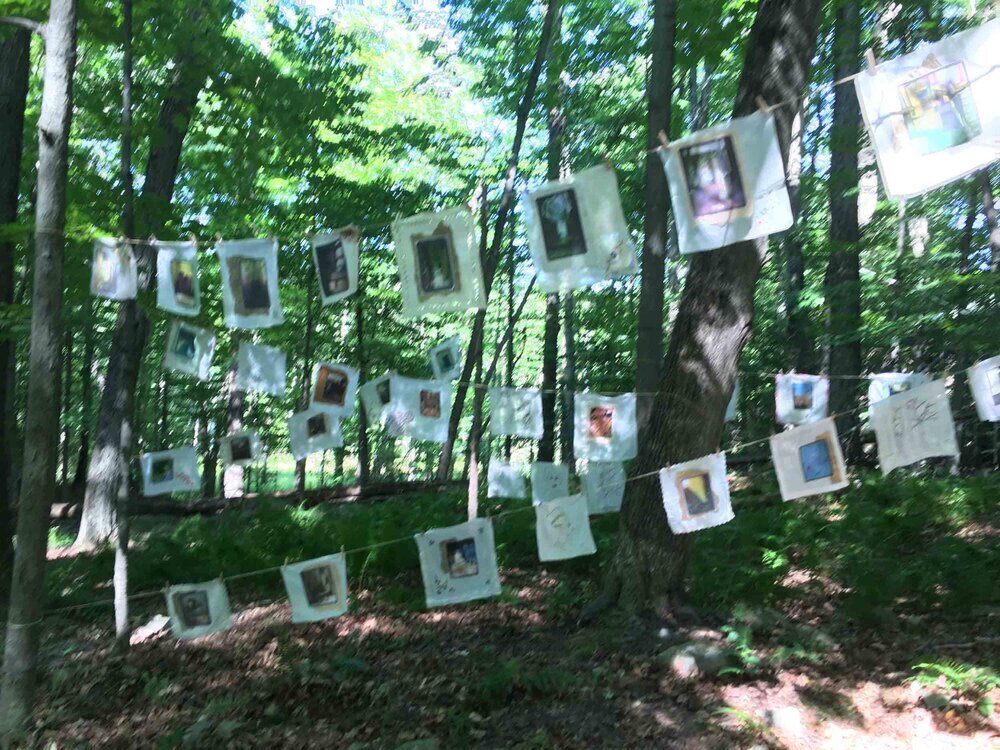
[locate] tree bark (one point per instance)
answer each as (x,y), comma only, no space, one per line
(66,405)
(360,354)
(87,396)
(992,221)
(41,427)
(307,364)
(550,364)
(801,347)
(234,477)
(569,381)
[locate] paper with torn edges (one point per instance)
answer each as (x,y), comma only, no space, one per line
(604,486)
(886,384)
(696,494)
(198,609)
(334,387)
(168,471)
(548,481)
(984,381)
(808,460)
(177,287)
(446,359)
(727,184)
(934,114)
(249,271)
(420,409)
(516,412)
(604,427)
(317,589)
(260,368)
(376,395)
(189,350)
(577,232)
(312,431)
(562,529)
(459,563)
(913,426)
(113,271)
(336,258)
(505,480)
(801,399)
(438,260)
(240,448)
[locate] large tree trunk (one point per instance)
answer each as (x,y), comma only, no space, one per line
(41,428)
(714,322)
(992,221)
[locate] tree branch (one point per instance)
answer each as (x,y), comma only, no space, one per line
(25,23)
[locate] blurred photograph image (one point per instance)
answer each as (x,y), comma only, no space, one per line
(712,173)
(939,109)
(562,228)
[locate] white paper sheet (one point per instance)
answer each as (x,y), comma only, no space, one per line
(548,481)
(696,494)
(984,381)
(175,470)
(317,589)
(178,289)
(336,258)
(459,563)
(886,384)
(808,460)
(420,409)
(376,395)
(562,529)
(505,480)
(312,431)
(801,399)
(260,368)
(240,448)
(249,271)
(517,412)
(604,427)
(113,270)
(446,359)
(189,350)
(913,426)
(334,388)
(604,486)
(198,609)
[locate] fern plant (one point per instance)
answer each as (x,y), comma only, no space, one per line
(969,682)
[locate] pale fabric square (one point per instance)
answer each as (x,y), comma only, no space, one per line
(249,271)
(446,359)
(801,399)
(562,529)
(198,609)
(376,395)
(317,589)
(734,402)
(548,481)
(312,431)
(727,184)
(164,472)
(604,427)
(914,425)
(934,114)
(696,494)
(808,460)
(420,409)
(178,289)
(260,368)
(886,384)
(113,270)
(438,259)
(517,412)
(334,388)
(336,258)
(189,350)
(577,232)
(240,448)
(459,563)
(604,486)
(984,381)
(505,480)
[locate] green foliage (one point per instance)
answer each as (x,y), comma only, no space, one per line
(968,682)
(511,679)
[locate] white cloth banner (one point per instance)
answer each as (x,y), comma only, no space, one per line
(240,448)
(887,384)
(336,259)
(198,609)
(260,368)
(913,426)
(169,471)
(505,480)
(420,409)
(446,359)
(459,563)
(984,381)
(517,412)
(696,494)
(312,431)
(113,271)
(376,395)
(801,399)
(808,460)
(604,486)
(334,388)
(317,589)
(548,481)
(934,114)
(562,529)
(604,427)
(189,350)
(577,232)
(727,184)
(249,271)
(438,259)
(177,287)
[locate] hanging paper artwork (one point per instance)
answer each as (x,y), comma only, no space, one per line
(604,486)
(696,494)
(198,609)
(801,399)
(459,563)
(261,369)
(604,427)
(505,480)
(577,232)
(727,184)
(808,460)
(734,402)
(446,359)
(240,448)
(336,258)
(887,384)
(250,283)
(562,529)
(517,412)
(113,271)
(934,114)
(420,409)
(313,431)
(548,481)
(376,395)
(177,287)
(317,589)
(334,389)
(438,260)
(189,350)
(164,472)
(984,380)
(913,426)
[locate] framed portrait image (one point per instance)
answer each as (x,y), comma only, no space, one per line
(913,426)
(603,486)
(334,388)
(170,471)
(458,563)
(198,609)
(984,381)
(446,359)
(113,272)
(562,227)
(337,264)
(516,412)
(241,448)
(808,460)
(189,350)
(562,529)
(714,180)
(260,369)
(313,431)
(317,589)
(250,283)
(177,284)
(504,480)
(436,262)
(696,494)
(549,481)
(604,427)
(801,399)
(420,409)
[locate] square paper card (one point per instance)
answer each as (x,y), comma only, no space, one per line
(504,480)
(240,448)
(548,481)
(260,368)
(801,399)
(250,283)
(459,563)
(913,426)
(420,409)
(516,412)
(984,380)
(808,460)
(317,588)
(313,431)
(177,287)
(336,258)
(604,486)
(113,272)
(696,494)
(562,529)
(334,389)
(198,609)
(189,350)
(604,427)
(376,395)
(164,472)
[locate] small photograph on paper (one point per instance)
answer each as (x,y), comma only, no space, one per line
(316,425)
(240,448)
(331,258)
(430,403)
(817,460)
(939,110)
(459,557)
(192,608)
(712,174)
(320,586)
(162,470)
(446,360)
(185,344)
(331,386)
(802,394)
(436,262)
(601,422)
(106,263)
(383,389)
(182,275)
(562,229)
(248,281)
(695,488)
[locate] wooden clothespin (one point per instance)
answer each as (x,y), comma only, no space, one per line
(193,239)
(607,162)
(870,61)
(762,105)
(351,231)
(218,238)
(664,140)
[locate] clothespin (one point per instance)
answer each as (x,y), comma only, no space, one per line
(607,162)
(192,239)
(664,141)
(870,61)
(351,231)
(762,105)
(218,238)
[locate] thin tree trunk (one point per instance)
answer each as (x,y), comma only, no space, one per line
(508,443)
(233,477)
(569,380)
(163,433)
(362,358)
(550,364)
(992,221)
(87,397)
(800,344)
(66,405)
(307,364)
